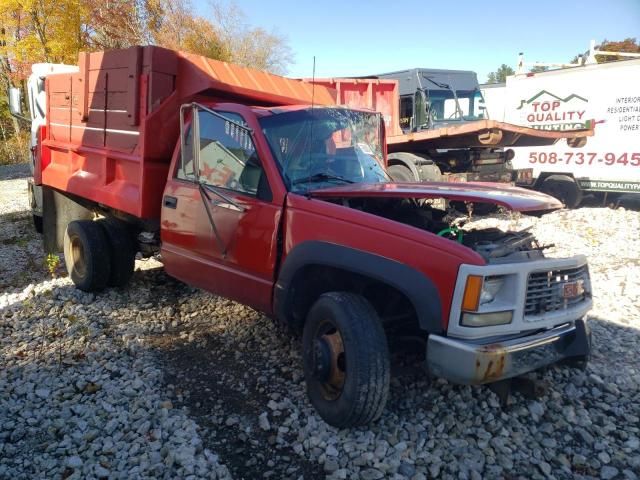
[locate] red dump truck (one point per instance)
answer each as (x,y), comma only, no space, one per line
(261,189)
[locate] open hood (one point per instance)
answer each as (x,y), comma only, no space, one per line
(514,198)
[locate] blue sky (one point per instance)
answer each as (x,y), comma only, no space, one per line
(375,36)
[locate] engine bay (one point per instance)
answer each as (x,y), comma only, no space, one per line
(493,244)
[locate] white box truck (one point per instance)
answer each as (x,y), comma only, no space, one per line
(606,94)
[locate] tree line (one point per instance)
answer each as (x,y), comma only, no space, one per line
(628,45)
(55,31)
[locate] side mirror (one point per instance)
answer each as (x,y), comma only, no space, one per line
(15,101)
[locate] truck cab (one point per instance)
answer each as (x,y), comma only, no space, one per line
(227,184)
(433,98)
(37,108)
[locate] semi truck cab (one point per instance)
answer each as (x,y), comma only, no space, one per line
(432,98)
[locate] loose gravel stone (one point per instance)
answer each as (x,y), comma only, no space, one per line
(608,472)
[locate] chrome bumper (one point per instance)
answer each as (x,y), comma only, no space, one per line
(469,363)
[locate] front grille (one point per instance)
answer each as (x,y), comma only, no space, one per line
(545,290)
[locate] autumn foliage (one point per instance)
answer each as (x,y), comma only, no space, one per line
(55,31)
(628,45)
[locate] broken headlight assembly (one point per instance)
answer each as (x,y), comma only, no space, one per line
(481,291)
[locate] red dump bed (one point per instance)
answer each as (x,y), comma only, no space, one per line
(379,95)
(112,127)
(383,96)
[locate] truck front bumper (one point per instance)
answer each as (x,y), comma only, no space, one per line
(469,363)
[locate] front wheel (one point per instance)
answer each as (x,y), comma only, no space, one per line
(346,360)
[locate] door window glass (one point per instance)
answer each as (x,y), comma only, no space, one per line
(406,112)
(186,166)
(228,157)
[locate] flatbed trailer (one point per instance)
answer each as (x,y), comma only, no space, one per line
(483,133)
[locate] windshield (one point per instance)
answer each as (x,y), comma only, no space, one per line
(325,147)
(454,97)
(443,105)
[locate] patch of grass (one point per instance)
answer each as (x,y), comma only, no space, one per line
(52,262)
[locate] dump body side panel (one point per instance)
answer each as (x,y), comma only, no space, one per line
(379,95)
(112,126)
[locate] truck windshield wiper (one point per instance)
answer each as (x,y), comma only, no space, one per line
(321,177)
(448,87)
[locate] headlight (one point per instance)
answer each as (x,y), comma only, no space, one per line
(486,319)
(479,291)
(490,288)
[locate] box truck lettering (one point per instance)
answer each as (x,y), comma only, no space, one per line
(609,96)
(546,111)
(627,109)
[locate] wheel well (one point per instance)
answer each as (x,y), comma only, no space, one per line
(395,161)
(392,306)
(544,175)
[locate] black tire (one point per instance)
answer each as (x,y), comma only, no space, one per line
(87,255)
(37,223)
(400,173)
(122,249)
(361,369)
(564,188)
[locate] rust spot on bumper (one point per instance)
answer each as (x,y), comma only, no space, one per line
(491,365)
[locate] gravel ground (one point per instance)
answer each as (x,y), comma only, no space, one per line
(81,396)
(162,380)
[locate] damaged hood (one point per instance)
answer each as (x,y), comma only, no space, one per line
(513,198)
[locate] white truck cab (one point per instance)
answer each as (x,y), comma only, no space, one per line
(37,103)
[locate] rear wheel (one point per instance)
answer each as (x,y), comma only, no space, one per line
(564,188)
(122,249)
(346,360)
(400,173)
(87,255)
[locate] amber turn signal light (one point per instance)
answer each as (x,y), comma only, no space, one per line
(472,291)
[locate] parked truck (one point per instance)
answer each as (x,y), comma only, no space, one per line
(260,189)
(572,97)
(441,130)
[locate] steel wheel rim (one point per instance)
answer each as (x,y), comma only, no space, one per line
(78,257)
(329,363)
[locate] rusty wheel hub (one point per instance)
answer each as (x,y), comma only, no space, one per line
(329,363)
(77,252)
